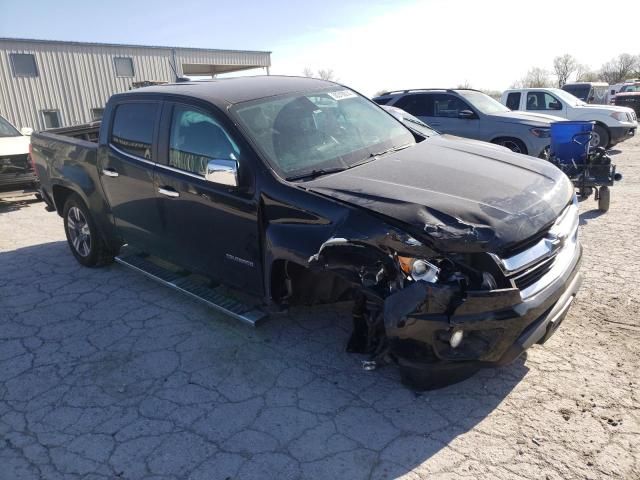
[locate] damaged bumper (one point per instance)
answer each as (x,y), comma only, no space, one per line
(497,325)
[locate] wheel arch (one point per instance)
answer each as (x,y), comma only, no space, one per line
(522,143)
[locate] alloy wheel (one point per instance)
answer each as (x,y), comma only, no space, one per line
(79,232)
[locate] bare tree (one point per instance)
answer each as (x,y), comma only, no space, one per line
(536,78)
(619,69)
(323,74)
(327,74)
(585,74)
(466,84)
(564,66)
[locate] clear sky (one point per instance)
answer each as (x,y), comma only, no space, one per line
(371,45)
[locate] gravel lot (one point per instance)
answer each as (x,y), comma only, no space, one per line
(105,374)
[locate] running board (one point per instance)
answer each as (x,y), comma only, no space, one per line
(181,281)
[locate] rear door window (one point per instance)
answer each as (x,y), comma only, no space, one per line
(133,126)
(417,104)
(513,100)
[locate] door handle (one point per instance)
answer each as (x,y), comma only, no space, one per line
(169,192)
(109,172)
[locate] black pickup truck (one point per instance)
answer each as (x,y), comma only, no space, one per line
(257,193)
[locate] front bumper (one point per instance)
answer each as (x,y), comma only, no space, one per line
(537,147)
(620,134)
(498,325)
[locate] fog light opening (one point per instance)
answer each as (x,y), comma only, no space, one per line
(456,338)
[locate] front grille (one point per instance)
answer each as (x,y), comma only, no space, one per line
(537,262)
(532,275)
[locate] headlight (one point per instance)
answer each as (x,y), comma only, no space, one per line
(541,132)
(419,269)
(620,116)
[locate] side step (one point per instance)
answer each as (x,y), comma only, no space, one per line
(214,297)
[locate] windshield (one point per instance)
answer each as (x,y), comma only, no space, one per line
(483,102)
(322,130)
(8,130)
(630,88)
(567,97)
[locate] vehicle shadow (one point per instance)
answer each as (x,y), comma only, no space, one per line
(132,341)
(590,215)
(10,204)
(614,151)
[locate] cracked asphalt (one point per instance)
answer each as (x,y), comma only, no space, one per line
(105,374)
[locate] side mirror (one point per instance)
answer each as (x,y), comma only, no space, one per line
(223,172)
(26,131)
(555,106)
(466,114)
(591,99)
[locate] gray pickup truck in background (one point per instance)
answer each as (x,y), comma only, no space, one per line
(473,114)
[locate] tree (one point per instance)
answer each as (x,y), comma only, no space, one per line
(535,78)
(323,74)
(619,69)
(464,85)
(327,74)
(564,66)
(585,74)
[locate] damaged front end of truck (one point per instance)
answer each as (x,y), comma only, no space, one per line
(448,299)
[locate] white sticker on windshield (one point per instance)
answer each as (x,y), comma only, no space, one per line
(342,94)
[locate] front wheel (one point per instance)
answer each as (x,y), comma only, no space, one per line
(84,240)
(599,137)
(512,144)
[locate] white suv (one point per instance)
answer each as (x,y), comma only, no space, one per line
(612,124)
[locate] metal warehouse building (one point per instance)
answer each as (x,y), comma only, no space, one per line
(46,84)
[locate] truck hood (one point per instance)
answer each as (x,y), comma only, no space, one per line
(14,145)
(533,119)
(456,196)
(601,109)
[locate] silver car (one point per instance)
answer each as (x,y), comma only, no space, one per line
(473,114)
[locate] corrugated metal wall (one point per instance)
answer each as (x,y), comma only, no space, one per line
(73,78)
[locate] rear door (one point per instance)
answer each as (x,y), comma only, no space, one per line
(513,100)
(210,228)
(127,168)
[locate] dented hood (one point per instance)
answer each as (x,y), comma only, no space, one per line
(459,196)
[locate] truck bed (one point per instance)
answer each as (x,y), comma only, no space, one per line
(86,131)
(66,157)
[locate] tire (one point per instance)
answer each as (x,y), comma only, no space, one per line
(83,237)
(600,137)
(512,144)
(604,199)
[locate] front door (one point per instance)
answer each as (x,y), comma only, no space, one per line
(544,102)
(211,228)
(127,168)
(453,115)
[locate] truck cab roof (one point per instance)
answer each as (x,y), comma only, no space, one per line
(228,91)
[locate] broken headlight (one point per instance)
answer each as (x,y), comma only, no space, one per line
(419,269)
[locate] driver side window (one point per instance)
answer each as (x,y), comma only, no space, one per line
(196,138)
(542,101)
(448,106)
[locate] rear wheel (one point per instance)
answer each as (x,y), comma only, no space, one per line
(512,144)
(604,199)
(599,137)
(83,237)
